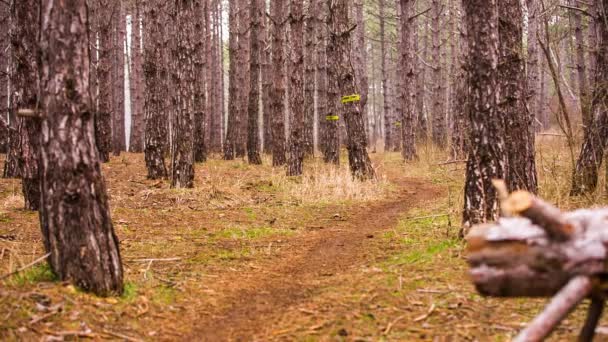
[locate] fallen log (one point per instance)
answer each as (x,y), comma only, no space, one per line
(540,251)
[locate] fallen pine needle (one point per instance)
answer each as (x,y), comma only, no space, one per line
(119,335)
(426,315)
(391,324)
(151,260)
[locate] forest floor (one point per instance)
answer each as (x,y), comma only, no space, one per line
(250,254)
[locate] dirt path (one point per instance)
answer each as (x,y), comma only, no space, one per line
(309,263)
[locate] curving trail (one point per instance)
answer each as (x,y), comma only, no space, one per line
(258,300)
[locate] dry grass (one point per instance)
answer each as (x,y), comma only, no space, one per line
(241,219)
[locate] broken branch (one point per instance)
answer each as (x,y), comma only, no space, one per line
(568,297)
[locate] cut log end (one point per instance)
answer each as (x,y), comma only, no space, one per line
(518,202)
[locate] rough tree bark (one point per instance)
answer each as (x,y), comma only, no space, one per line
(388,138)
(533,66)
(329,142)
(309,83)
(297,101)
(266,57)
(459,100)
(519,143)
(339,48)
(576,22)
(4,82)
(422,104)
(256,11)
(118,78)
(243,76)
(24,82)
(360,60)
(155,74)
(198,86)
(233,118)
(106,9)
(408,121)
(279,17)
(136,140)
(585,177)
(439,133)
(75,218)
(486,153)
(182,153)
(12,166)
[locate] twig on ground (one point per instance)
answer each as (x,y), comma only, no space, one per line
(119,335)
(426,217)
(43,317)
(391,324)
(42,258)
(432,291)
(151,260)
(426,315)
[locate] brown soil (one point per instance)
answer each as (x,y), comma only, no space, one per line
(310,262)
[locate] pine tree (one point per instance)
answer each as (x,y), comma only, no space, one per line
(75,218)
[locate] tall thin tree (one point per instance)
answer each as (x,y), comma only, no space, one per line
(155,113)
(279,17)
(256,10)
(296,91)
(182,153)
(408,78)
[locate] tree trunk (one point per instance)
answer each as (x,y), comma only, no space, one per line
(459,142)
(220,91)
(388,136)
(12,167)
(519,143)
(279,16)
(198,83)
(267,82)
(360,57)
(309,84)
(243,77)
(329,143)
(576,22)
(136,140)
(408,122)
(4,82)
(24,80)
(339,55)
(155,73)
(297,102)
(75,218)
(487,151)
(439,120)
(592,37)
(533,66)
(105,110)
(233,117)
(182,153)
(256,10)
(118,124)
(585,176)
(423,130)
